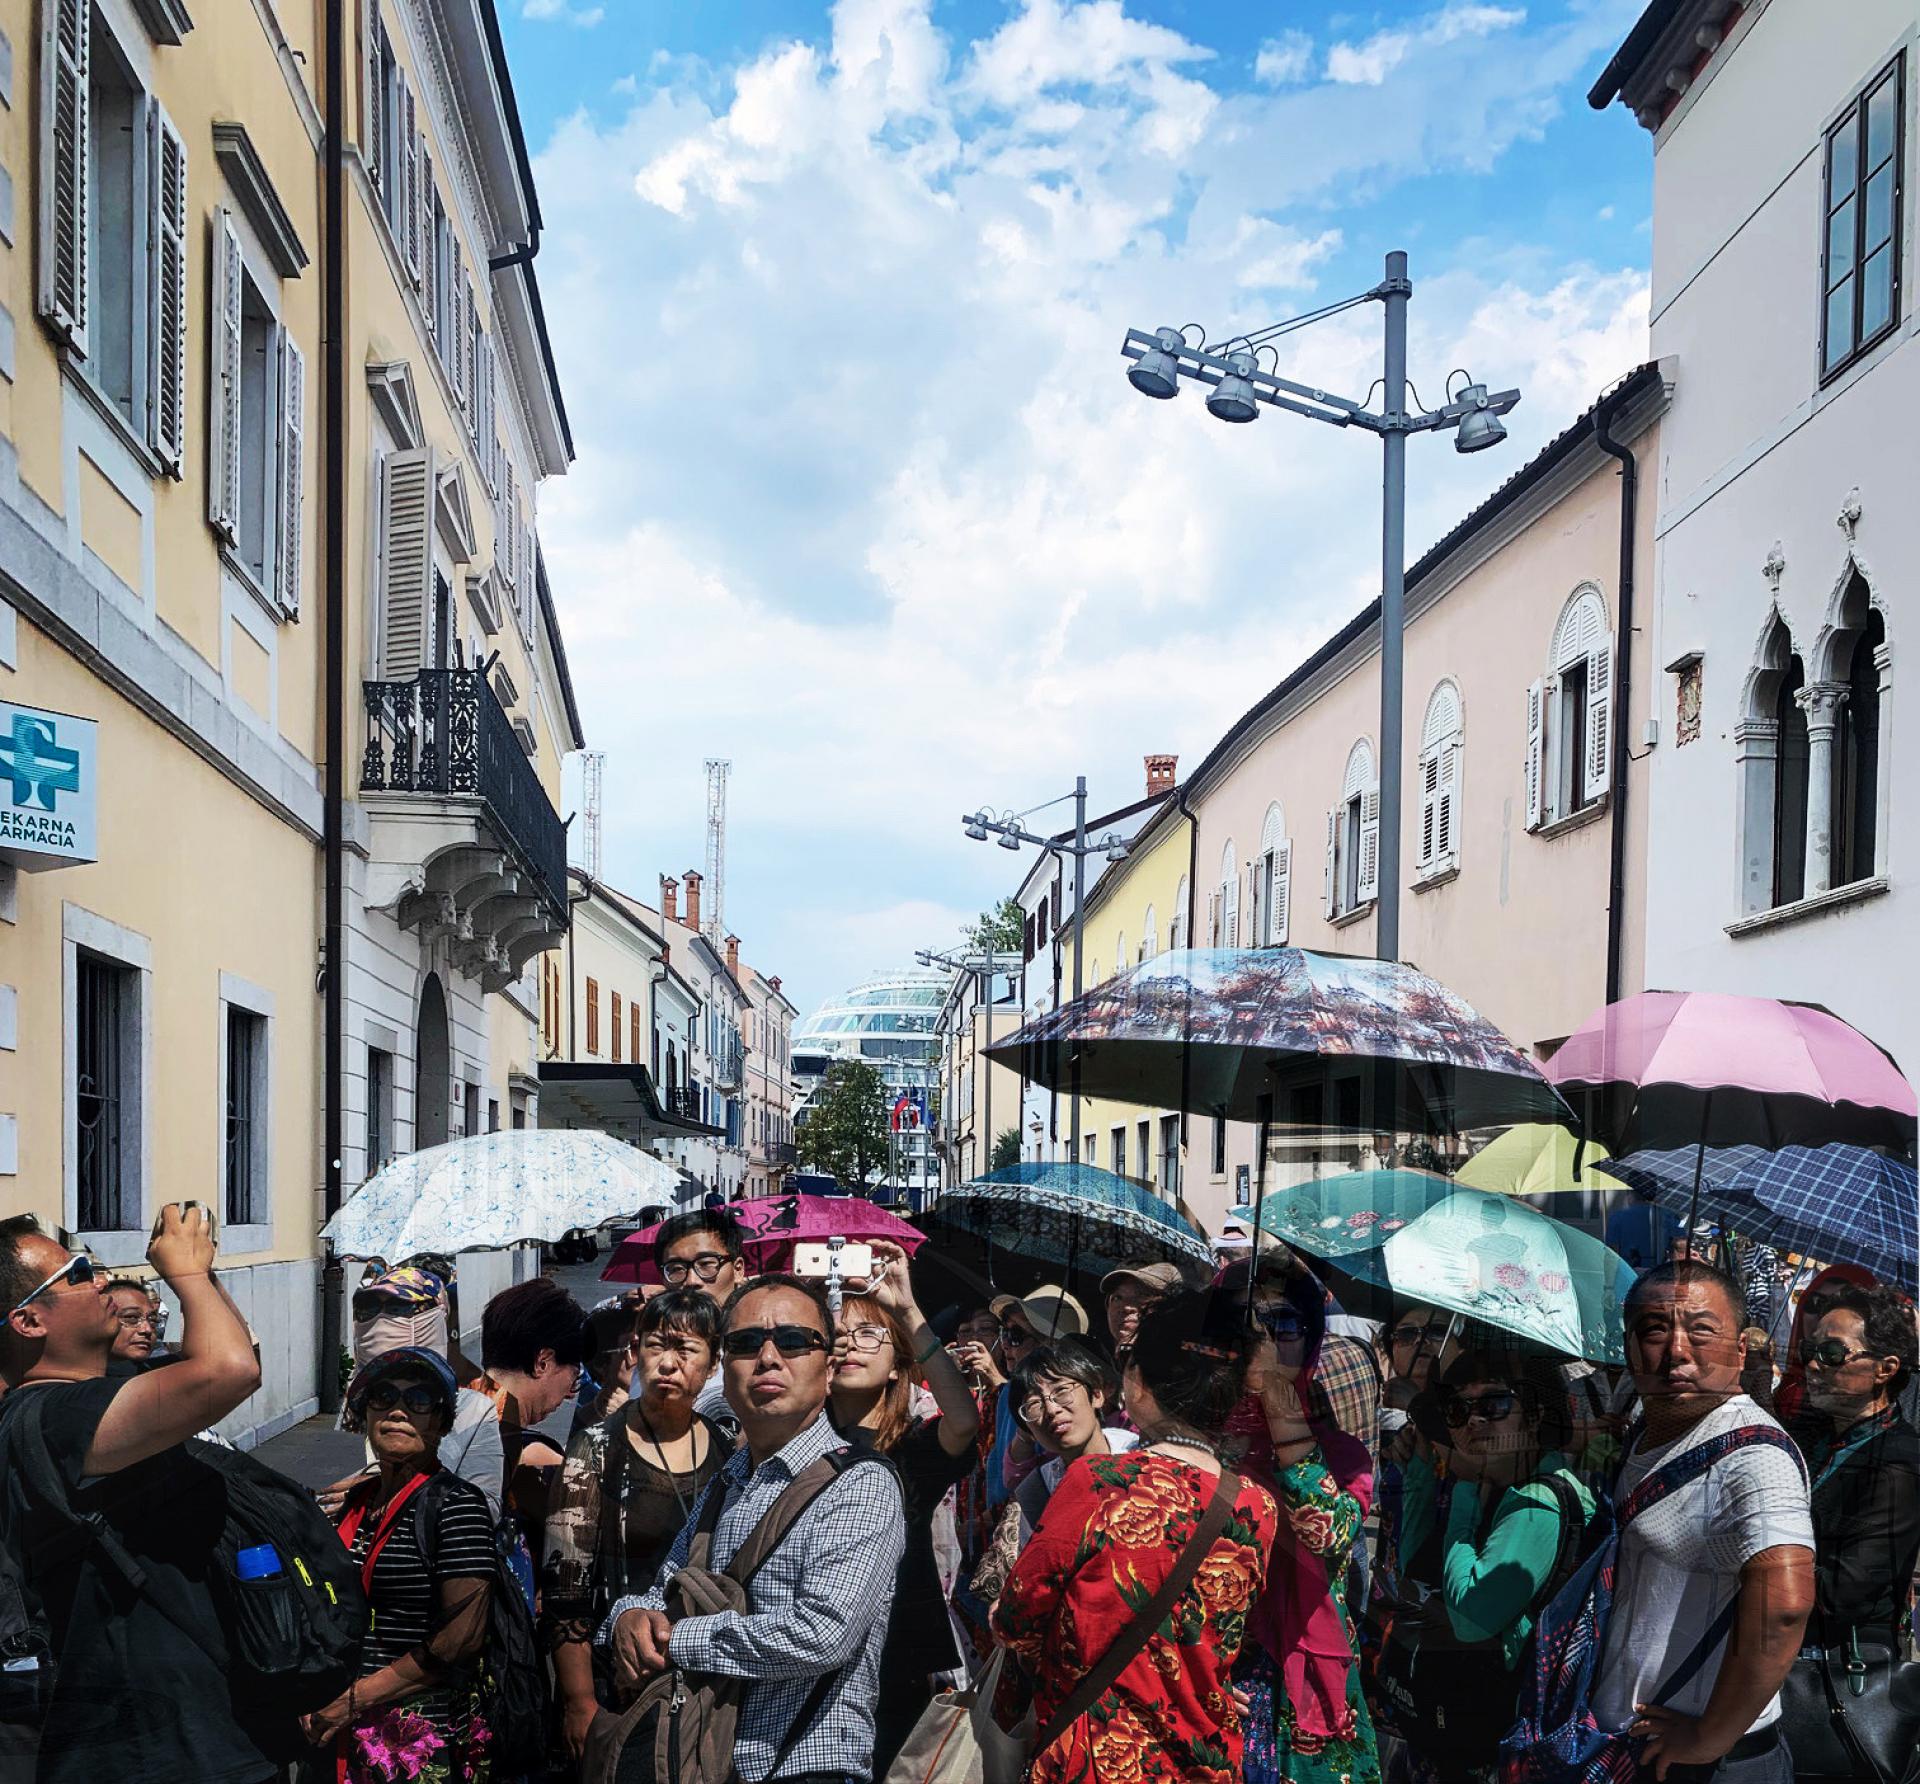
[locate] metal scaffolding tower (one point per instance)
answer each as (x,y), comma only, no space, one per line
(715,909)
(591,764)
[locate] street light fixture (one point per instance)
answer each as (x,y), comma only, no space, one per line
(1239,386)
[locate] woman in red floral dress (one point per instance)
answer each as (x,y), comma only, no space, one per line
(1112,1533)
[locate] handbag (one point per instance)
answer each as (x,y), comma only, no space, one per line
(1852,1711)
(958,1739)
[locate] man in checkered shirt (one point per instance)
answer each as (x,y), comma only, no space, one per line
(811,1645)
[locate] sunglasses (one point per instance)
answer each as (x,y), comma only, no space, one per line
(1011,1334)
(415,1397)
(1410,1334)
(1490,1407)
(76,1270)
(789,1341)
(1829,1353)
(706,1265)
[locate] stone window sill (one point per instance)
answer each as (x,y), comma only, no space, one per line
(1346,919)
(1435,878)
(1819,905)
(1587,814)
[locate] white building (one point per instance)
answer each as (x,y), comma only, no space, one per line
(1788,537)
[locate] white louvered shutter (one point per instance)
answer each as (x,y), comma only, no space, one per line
(167,291)
(1429,849)
(1599,767)
(1369,887)
(1280,900)
(423,217)
(1536,755)
(406,563)
(407,151)
(1213,919)
(470,350)
(453,324)
(1446,824)
(370,146)
(289,475)
(65,52)
(223,454)
(1230,920)
(1331,890)
(1256,906)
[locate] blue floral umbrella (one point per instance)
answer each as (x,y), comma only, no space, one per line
(1072,1216)
(490,1191)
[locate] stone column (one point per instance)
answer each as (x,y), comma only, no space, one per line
(1821,703)
(1756,751)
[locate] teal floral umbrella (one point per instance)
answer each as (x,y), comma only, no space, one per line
(1486,1257)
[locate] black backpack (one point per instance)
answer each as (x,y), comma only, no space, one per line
(293,1638)
(511,1673)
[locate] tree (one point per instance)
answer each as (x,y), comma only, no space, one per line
(1003,929)
(1006,1148)
(846,1130)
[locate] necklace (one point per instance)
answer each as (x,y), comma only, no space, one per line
(1192,1443)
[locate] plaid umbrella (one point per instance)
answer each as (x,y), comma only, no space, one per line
(1841,1204)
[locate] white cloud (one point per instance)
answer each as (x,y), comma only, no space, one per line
(1369,63)
(586,17)
(864,501)
(1284,59)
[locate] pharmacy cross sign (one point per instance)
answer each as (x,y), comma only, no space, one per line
(33,761)
(49,788)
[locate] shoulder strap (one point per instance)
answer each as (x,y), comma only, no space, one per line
(1697,1658)
(1688,1467)
(781,1516)
(1573,1523)
(1147,1619)
(26,1443)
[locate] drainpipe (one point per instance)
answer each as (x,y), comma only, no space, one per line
(333,402)
(1603,420)
(1193,884)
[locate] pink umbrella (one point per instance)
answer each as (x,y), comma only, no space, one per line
(1704,1068)
(775,1225)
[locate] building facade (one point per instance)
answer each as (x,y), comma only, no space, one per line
(980,1099)
(1782,142)
(768,1040)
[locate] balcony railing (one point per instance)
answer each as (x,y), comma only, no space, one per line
(729,1064)
(444,733)
(682,1102)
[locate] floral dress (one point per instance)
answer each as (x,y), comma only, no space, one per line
(1113,1530)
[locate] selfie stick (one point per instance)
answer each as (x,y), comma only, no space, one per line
(833,1277)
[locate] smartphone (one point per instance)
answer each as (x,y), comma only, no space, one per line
(212,1230)
(815,1258)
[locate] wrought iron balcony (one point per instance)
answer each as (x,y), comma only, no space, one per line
(682,1100)
(729,1066)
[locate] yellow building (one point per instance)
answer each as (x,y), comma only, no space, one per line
(261,929)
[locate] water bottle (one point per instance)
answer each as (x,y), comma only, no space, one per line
(261,1562)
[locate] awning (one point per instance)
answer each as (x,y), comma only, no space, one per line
(594,1093)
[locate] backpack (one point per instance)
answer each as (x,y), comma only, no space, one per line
(510,1676)
(1557,1738)
(680,1729)
(293,1634)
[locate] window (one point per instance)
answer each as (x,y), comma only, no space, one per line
(1352,877)
(1860,248)
(1180,901)
(470,1109)
(1143,1138)
(1790,798)
(1439,769)
(1150,938)
(593,1016)
(246,1117)
(1170,1156)
(613,1010)
(1219,1145)
(106,1094)
(1856,758)
(633,1033)
(1226,924)
(1120,961)
(1088,1144)
(379,1108)
(1273,881)
(1570,716)
(1117,1143)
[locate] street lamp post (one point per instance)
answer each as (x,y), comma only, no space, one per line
(973,969)
(981,824)
(1162,358)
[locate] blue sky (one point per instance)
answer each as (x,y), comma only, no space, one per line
(863,501)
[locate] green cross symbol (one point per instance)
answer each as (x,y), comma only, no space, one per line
(38,768)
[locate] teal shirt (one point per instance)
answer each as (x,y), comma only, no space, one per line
(1489,1588)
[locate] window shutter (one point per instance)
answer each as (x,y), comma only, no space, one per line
(290,481)
(1213,919)
(614,1031)
(370,146)
(1599,773)
(65,50)
(453,331)
(1536,755)
(1256,871)
(408,156)
(167,290)
(470,353)
(1446,842)
(1429,809)
(422,214)
(1230,917)
(223,456)
(1280,901)
(1332,889)
(593,1015)
(1369,886)
(406,563)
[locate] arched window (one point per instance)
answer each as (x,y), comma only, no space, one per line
(1120,952)
(1570,715)
(1150,936)
(1790,798)
(1272,882)
(1180,898)
(1439,769)
(1770,751)
(1226,901)
(1353,836)
(1856,665)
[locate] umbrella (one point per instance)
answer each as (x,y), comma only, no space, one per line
(1702,1068)
(1073,1216)
(1842,1204)
(1229,1032)
(1536,1159)
(775,1224)
(489,1191)
(1484,1256)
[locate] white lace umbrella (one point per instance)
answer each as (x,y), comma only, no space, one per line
(491,1191)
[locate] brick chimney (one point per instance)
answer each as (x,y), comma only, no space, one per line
(733,955)
(693,899)
(670,898)
(775,981)
(1160,774)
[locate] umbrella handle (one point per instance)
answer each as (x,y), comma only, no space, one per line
(1699,1164)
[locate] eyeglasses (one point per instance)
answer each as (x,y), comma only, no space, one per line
(417,1398)
(1829,1353)
(789,1341)
(1012,1334)
(1041,1402)
(1409,1334)
(868,1337)
(76,1270)
(705,1264)
(1490,1407)
(129,1318)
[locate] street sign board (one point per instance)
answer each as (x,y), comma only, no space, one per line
(49,788)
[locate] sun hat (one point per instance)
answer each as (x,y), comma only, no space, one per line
(1049,1310)
(408,1359)
(1162,1278)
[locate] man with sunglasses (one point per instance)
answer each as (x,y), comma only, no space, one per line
(810,1644)
(127,1683)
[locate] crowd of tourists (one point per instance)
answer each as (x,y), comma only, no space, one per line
(1189,1530)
